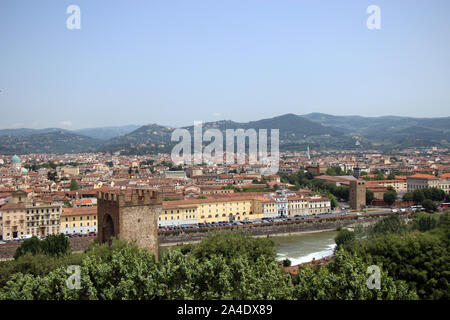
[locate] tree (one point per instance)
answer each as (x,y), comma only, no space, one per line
(74,185)
(408,196)
(52,245)
(421,259)
(391,176)
(418,196)
(286,263)
(51,176)
(369,196)
(389,197)
(379,176)
(390,224)
(437,194)
(345,278)
(31,245)
(429,205)
(344,237)
(55,245)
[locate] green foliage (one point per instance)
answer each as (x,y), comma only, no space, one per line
(344,278)
(52,245)
(202,197)
(391,176)
(418,196)
(287,263)
(32,245)
(55,245)
(369,196)
(429,205)
(335,171)
(389,197)
(232,265)
(391,224)
(423,260)
(232,243)
(344,237)
(408,196)
(74,185)
(171,199)
(51,175)
(425,222)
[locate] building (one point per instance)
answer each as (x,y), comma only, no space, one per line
(174,175)
(224,209)
(420,181)
(357,194)
(444,183)
(266,206)
(81,220)
(319,205)
(281,200)
(132,217)
(400,186)
(297,205)
(177,214)
(22,217)
(16,163)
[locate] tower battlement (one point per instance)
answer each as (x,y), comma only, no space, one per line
(130,216)
(138,197)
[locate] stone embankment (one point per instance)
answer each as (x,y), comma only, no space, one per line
(192,235)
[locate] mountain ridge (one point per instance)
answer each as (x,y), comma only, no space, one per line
(318,130)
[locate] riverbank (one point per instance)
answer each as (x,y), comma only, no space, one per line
(254,236)
(306,247)
(290,228)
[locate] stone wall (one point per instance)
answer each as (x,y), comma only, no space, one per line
(80,244)
(76,244)
(269,229)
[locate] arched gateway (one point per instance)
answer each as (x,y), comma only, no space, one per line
(131,216)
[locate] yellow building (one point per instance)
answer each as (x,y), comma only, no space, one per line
(214,210)
(80,220)
(21,217)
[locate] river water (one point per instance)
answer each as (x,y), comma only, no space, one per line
(304,247)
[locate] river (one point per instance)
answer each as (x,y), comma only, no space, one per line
(304,247)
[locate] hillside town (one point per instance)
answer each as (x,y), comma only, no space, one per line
(44,194)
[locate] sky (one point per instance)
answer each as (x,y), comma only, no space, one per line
(175,61)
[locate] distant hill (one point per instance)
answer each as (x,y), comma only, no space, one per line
(390,131)
(295,132)
(51,142)
(25,132)
(151,138)
(106,133)
(317,130)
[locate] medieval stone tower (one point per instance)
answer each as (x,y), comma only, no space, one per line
(357,194)
(132,217)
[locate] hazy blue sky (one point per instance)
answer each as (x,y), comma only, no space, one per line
(175,61)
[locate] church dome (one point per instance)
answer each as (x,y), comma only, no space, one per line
(24,170)
(15,159)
